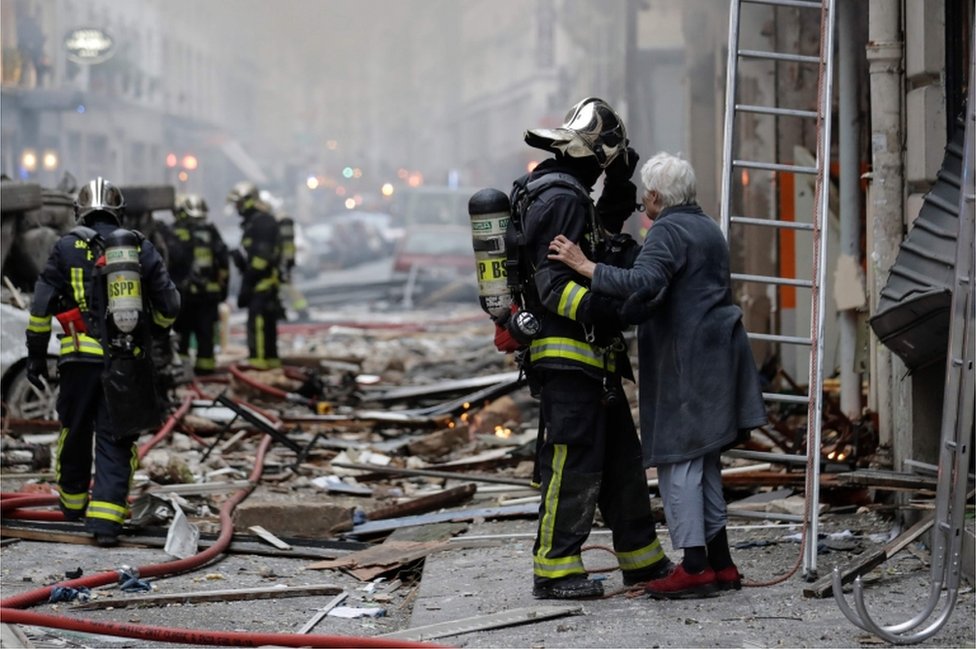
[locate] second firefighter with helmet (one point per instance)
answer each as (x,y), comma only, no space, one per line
(259,261)
(200,266)
(109,289)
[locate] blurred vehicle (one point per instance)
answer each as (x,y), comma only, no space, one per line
(435,257)
(21,400)
(350,239)
(434,205)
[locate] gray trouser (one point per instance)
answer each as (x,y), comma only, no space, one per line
(693,501)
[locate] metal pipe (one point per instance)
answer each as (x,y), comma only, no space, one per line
(885,51)
(850,198)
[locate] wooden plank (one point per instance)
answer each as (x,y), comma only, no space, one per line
(887,479)
(269,537)
(489,513)
(425,504)
(483,622)
(322,612)
(272,592)
(385,555)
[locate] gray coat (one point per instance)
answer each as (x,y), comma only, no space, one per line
(699,387)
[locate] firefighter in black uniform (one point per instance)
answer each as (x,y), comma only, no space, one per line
(589,453)
(108,287)
(259,260)
(199,264)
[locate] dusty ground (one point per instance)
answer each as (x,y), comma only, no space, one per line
(488,571)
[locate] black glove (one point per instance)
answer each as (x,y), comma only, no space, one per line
(641,305)
(623,166)
(243,299)
(237,256)
(605,313)
(37,372)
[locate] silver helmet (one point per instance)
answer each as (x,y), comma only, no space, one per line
(590,128)
(192,205)
(243,196)
(99,195)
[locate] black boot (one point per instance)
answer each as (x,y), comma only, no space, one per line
(572,587)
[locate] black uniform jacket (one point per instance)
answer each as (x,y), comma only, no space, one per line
(699,386)
(67,281)
(575,328)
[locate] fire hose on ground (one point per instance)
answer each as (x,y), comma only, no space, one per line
(11,608)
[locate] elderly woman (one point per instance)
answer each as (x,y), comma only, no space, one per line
(699,387)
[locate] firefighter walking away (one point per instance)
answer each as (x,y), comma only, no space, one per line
(258,259)
(110,291)
(199,264)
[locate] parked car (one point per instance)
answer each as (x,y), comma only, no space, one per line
(434,257)
(21,399)
(349,239)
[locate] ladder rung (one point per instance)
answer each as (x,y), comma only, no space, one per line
(771,223)
(779,56)
(773,110)
(764,456)
(802,4)
(774,166)
(786,398)
(778,338)
(766,279)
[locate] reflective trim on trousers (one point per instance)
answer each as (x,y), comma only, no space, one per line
(74,502)
(543,565)
(641,557)
(106,511)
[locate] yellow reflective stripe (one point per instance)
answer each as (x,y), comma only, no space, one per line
(162,320)
(570,299)
(74,502)
(212,287)
(259,338)
(259,263)
(106,511)
(62,436)
(39,324)
(570,349)
(86,345)
(642,557)
(133,463)
(266,284)
(544,566)
(205,363)
(78,287)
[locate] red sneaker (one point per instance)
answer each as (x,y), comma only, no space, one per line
(729,578)
(682,585)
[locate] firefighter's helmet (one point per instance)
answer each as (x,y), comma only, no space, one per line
(590,128)
(192,205)
(243,196)
(99,195)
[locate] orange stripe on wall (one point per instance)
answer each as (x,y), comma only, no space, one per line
(787,241)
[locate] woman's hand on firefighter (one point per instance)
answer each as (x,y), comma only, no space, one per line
(564,250)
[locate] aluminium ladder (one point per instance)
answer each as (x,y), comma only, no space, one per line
(817,227)
(956,435)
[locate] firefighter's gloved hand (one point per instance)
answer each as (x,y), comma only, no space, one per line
(243,299)
(237,256)
(37,372)
(641,305)
(623,166)
(504,341)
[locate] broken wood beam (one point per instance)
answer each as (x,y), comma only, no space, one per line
(483,622)
(425,504)
(265,592)
(375,468)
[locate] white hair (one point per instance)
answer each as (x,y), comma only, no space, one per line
(673,178)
